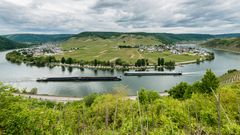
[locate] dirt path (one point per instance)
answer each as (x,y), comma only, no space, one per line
(186,62)
(101,53)
(114,59)
(140,55)
(132,56)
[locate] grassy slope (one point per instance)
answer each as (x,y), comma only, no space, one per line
(230,77)
(231,44)
(6,44)
(104,47)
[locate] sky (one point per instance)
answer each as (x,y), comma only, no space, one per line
(75,16)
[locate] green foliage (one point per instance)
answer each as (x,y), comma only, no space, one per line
(232,44)
(179,90)
(69,61)
(63,60)
(38,38)
(147,96)
(161,61)
(209,82)
(33,91)
(6,44)
(141,62)
(119,62)
(231,71)
(17,57)
(90,99)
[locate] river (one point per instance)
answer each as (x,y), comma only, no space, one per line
(23,76)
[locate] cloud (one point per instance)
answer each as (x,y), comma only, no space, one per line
(74,16)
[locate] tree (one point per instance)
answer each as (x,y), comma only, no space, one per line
(209,82)
(119,61)
(198,61)
(159,61)
(179,90)
(162,61)
(143,63)
(69,61)
(63,60)
(95,62)
(138,63)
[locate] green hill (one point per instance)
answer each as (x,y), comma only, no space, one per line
(38,38)
(6,44)
(104,46)
(231,44)
(166,38)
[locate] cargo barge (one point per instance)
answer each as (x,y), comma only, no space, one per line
(151,73)
(72,79)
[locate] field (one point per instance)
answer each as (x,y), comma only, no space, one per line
(107,49)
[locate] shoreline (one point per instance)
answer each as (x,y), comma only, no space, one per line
(55,98)
(226,50)
(121,67)
(222,49)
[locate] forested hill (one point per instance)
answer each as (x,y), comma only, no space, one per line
(38,38)
(6,44)
(166,38)
(231,44)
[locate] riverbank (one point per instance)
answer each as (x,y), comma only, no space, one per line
(67,98)
(226,50)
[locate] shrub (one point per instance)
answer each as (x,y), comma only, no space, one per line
(33,91)
(90,99)
(147,96)
(179,90)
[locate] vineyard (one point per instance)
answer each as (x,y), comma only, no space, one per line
(230,77)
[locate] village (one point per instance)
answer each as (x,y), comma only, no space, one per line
(178,49)
(46,49)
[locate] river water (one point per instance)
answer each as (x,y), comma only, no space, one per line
(23,76)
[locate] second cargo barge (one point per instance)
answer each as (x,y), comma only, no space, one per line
(72,79)
(151,73)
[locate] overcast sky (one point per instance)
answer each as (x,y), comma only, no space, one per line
(75,16)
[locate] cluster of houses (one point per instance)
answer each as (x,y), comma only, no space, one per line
(174,49)
(42,50)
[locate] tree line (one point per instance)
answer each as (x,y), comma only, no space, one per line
(17,57)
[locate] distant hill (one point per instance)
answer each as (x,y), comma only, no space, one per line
(38,38)
(231,44)
(166,38)
(6,44)
(231,35)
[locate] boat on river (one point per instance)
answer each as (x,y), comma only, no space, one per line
(74,79)
(150,73)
